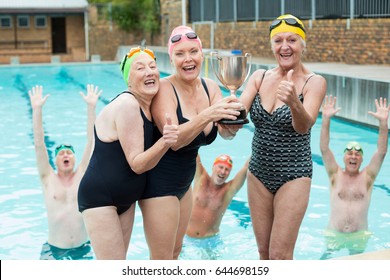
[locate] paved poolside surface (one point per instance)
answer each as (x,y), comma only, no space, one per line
(370,72)
(378,255)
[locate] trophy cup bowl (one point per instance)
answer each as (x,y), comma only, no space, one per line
(232,71)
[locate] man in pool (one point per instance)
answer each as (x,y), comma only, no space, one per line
(351,188)
(67,238)
(212,195)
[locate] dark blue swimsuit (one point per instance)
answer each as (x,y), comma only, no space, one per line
(109,180)
(174,173)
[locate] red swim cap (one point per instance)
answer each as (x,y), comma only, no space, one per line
(224,159)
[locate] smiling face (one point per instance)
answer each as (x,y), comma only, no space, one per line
(144,77)
(353,160)
(288,48)
(187,59)
(220,173)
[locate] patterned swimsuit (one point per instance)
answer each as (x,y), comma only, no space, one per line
(279,153)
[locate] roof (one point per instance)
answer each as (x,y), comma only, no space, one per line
(28,6)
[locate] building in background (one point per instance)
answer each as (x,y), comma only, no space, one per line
(346,31)
(43,31)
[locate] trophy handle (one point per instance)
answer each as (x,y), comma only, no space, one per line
(215,54)
(249,56)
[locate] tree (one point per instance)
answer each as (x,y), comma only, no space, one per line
(134,15)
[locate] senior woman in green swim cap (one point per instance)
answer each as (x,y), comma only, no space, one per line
(283,103)
(124,151)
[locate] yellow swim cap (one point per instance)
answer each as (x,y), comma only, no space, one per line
(287,23)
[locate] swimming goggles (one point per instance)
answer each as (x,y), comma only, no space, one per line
(133,51)
(63,147)
(189,35)
(357,148)
(289,21)
(224,159)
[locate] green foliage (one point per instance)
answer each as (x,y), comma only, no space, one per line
(98,1)
(133,15)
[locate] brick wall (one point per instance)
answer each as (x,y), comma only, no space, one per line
(361,41)
(35,44)
(170,18)
(105,37)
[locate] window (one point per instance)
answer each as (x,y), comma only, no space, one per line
(40,21)
(5,22)
(23,21)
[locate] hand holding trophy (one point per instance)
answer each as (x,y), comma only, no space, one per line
(232,71)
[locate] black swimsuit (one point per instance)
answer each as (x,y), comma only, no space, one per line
(279,153)
(109,180)
(174,173)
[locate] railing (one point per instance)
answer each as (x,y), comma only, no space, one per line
(258,10)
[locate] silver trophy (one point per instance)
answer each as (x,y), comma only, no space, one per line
(232,71)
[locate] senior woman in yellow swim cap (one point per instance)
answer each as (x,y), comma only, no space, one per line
(283,104)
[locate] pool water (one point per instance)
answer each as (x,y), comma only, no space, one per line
(23,226)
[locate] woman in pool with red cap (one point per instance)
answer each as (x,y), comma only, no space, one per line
(196,105)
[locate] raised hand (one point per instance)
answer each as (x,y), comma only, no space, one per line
(170,131)
(328,108)
(36,98)
(382,110)
(92,95)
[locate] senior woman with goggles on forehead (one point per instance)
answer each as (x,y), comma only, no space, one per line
(196,105)
(124,151)
(283,103)
(350,188)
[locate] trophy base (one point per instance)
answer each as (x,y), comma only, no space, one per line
(231,122)
(241,119)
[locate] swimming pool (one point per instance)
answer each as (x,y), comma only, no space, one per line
(23,226)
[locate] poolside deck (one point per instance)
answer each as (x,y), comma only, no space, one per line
(378,255)
(371,72)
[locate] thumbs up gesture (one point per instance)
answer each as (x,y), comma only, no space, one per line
(286,91)
(170,131)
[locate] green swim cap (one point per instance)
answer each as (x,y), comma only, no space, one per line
(63,147)
(126,64)
(353,145)
(128,59)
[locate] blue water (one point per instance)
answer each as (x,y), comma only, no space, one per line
(23,226)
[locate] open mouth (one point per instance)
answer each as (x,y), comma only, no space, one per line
(286,55)
(150,82)
(189,68)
